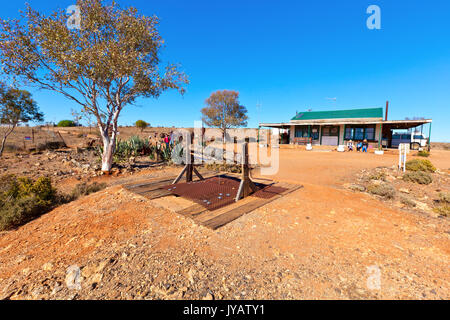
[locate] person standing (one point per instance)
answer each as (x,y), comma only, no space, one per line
(167,141)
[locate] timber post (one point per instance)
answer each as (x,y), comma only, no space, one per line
(189,169)
(246,187)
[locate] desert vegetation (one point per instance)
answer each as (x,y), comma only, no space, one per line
(16,107)
(224,111)
(423,165)
(66,124)
(142,125)
(24,199)
(75,65)
(419,188)
(444,204)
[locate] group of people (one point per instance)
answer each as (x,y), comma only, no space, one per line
(167,139)
(360,146)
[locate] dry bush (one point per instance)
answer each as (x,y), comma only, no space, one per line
(221,167)
(419,177)
(378,175)
(420,165)
(423,153)
(384,190)
(444,197)
(408,202)
(51,145)
(84,189)
(443,210)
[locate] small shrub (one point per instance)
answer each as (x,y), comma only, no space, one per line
(83,189)
(423,153)
(419,177)
(443,210)
(24,199)
(224,167)
(408,202)
(51,145)
(357,187)
(378,175)
(420,165)
(383,190)
(444,197)
(66,124)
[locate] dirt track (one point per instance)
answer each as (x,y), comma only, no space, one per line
(316,243)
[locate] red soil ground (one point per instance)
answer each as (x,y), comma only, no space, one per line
(315,243)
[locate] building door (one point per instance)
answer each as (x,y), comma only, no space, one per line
(330,135)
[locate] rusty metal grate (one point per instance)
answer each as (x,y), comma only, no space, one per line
(218,192)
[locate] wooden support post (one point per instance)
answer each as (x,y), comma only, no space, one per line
(189,169)
(246,187)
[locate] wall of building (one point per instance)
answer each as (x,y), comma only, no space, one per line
(341,134)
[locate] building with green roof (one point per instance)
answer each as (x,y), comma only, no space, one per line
(338,127)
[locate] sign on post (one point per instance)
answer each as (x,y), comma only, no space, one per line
(403,150)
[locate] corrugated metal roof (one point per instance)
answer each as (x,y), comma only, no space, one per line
(340,114)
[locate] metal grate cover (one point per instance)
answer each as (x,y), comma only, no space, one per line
(218,192)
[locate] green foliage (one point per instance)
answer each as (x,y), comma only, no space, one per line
(161,152)
(66,124)
(419,177)
(112,59)
(423,153)
(223,110)
(141,124)
(137,146)
(16,107)
(420,165)
(24,199)
(383,190)
(133,147)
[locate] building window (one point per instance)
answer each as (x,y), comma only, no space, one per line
(302,132)
(370,133)
(315,132)
(360,132)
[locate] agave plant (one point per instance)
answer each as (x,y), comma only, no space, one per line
(160,152)
(132,147)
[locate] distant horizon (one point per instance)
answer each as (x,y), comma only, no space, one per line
(290,56)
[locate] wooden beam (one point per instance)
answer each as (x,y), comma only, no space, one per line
(246,187)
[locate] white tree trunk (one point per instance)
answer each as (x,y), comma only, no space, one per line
(109,144)
(108,154)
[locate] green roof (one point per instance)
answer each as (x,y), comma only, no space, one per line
(340,114)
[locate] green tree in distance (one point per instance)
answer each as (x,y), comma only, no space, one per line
(141,124)
(224,111)
(16,107)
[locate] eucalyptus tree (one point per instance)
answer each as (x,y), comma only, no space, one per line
(103,63)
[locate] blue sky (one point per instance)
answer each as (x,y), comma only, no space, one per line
(293,55)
